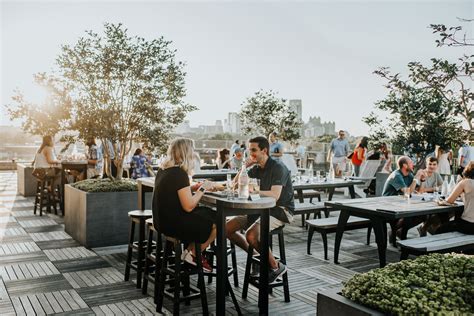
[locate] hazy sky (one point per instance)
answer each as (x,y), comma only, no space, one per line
(322,52)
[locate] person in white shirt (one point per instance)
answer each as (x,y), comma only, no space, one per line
(46,163)
(234,147)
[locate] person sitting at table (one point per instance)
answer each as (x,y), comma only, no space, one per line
(275,181)
(223,159)
(175,208)
(238,159)
(430,180)
(138,164)
(399,182)
(465,188)
(94,159)
(46,163)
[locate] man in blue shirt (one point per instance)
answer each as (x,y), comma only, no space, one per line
(339,149)
(276,148)
(401,179)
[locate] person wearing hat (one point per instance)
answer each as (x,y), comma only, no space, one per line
(237,160)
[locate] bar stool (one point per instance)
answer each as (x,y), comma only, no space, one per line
(255,259)
(46,195)
(211,252)
(179,278)
(152,260)
(137,217)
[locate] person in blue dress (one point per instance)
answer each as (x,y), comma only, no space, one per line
(138,164)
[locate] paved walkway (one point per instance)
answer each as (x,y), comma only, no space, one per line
(44,271)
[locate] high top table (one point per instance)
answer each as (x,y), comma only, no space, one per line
(380,210)
(225,208)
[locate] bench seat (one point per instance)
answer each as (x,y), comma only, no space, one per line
(308,208)
(329,225)
(447,242)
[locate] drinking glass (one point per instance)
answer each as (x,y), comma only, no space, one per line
(255,184)
(406,194)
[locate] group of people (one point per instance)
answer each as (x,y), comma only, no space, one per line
(404,181)
(46,162)
(177,213)
(234,157)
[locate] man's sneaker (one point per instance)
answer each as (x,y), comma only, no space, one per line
(206,267)
(275,274)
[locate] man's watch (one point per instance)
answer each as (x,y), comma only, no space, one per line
(201,189)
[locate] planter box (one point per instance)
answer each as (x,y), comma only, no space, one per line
(26,183)
(332,303)
(100,219)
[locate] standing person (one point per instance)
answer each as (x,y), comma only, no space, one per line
(338,151)
(276,148)
(444,157)
(94,159)
(176,209)
(139,164)
(464,188)
(46,163)
(275,181)
(464,157)
(234,147)
(359,155)
(301,155)
(113,162)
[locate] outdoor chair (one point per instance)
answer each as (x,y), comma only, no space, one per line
(367,174)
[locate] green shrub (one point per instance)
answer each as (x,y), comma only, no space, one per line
(106,185)
(431,284)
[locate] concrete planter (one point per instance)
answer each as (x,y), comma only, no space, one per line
(332,303)
(26,184)
(99,219)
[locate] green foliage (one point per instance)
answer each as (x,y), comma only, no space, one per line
(428,285)
(106,185)
(49,117)
(264,113)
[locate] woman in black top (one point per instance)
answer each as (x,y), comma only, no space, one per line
(175,208)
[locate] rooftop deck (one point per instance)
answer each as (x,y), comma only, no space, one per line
(44,271)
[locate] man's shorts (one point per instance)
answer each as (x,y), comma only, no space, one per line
(339,163)
(245,223)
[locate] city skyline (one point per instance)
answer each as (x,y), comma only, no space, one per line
(321,53)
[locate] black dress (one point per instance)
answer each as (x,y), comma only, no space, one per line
(168,214)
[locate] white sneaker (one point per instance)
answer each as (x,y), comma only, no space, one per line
(188,257)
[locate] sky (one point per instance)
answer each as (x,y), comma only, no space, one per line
(322,52)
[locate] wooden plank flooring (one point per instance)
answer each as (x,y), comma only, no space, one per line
(43,271)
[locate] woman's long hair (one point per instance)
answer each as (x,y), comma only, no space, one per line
(222,154)
(180,153)
(364,142)
(47,141)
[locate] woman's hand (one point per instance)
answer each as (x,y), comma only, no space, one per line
(207,185)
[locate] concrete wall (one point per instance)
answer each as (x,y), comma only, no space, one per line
(99,219)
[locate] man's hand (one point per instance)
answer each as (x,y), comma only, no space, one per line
(421,175)
(250,162)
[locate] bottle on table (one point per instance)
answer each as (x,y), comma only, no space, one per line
(244,183)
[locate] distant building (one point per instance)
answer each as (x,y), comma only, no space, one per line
(314,127)
(183,128)
(234,123)
(297,107)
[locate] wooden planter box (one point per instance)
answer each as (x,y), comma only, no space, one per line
(100,219)
(26,183)
(331,302)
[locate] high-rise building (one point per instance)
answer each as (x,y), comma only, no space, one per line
(234,122)
(297,107)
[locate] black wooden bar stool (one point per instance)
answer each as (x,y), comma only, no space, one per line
(46,196)
(137,217)
(152,260)
(255,259)
(179,278)
(211,252)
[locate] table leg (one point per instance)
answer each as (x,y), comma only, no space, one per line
(221,257)
(300,196)
(341,224)
(380,238)
(264,246)
(141,196)
(330,193)
(352,192)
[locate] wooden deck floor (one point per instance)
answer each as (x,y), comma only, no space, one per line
(44,271)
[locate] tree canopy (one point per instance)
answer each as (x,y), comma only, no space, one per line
(264,113)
